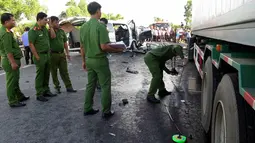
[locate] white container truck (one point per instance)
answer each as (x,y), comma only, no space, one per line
(223,49)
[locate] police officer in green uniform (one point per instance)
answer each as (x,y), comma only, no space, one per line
(155,60)
(11,55)
(105,22)
(94,46)
(58,42)
(40,46)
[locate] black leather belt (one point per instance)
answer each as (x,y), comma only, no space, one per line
(44,52)
(57,52)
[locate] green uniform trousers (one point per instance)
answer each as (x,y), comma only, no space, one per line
(42,74)
(59,62)
(98,69)
(156,70)
(12,81)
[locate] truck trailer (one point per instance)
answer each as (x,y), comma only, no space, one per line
(223,49)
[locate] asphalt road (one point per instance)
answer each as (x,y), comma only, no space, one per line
(61,119)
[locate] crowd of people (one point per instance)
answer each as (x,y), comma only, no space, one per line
(178,35)
(50,53)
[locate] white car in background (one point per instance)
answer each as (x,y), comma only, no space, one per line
(125,32)
(72,27)
(118,31)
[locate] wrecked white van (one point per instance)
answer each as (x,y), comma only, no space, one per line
(118,31)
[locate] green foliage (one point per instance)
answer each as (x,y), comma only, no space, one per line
(111,16)
(175,26)
(28,8)
(158,19)
(80,9)
(83,7)
(188,13)
(71,3)
(21,27)
(73,11)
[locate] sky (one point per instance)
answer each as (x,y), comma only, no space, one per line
(141,11)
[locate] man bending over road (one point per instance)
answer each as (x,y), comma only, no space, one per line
(155,61)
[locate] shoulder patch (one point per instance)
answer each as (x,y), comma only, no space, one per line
(36,28)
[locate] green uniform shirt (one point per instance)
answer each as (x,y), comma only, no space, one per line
(8,44)
(40,38)
(57,44)
(92,34)
(164,53)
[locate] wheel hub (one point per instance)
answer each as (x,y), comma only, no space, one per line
(220,124)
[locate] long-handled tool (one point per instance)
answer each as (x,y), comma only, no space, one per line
(177,138)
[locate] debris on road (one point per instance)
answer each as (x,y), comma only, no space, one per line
(124,101)
(183,101)
(27,81)
(190,136)
(125,62)
(113,124)
(112,134)
(131,71)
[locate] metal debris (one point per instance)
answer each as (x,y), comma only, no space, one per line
(131,71)
(124,101)
(112,134)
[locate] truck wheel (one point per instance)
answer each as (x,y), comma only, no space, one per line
(207,94)
(191,48)
(228,119)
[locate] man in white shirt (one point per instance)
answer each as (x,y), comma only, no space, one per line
(28,53)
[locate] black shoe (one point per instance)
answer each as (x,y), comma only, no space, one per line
(99,87)
(19,104)
(163,93)
(42,98)
(108,115)
(91,112)
(71,90)
(58,91)
(24,98)
(49,94)
(152,99)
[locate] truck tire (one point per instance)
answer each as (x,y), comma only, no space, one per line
(228,119)
(207,95)
(191,48)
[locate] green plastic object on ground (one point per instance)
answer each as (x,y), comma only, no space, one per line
(179,139)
